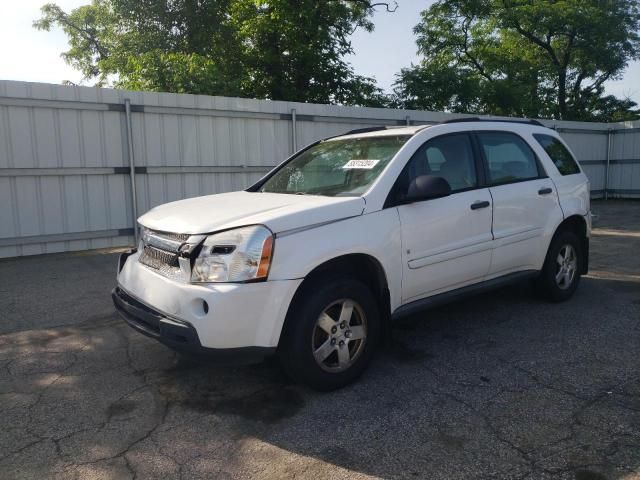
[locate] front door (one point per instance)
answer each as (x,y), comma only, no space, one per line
(446,241)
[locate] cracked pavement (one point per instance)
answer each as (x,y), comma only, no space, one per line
(501,385)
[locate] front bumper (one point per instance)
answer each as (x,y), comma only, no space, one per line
(178,335)
(208,316)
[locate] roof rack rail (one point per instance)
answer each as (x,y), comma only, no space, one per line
(364,130)
(507,120)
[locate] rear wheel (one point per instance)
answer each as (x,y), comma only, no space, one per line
(560,274)
(331,333)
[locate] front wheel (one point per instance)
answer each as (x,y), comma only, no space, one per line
(331,333)
(560,274)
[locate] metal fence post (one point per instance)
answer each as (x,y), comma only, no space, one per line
(132,169)
(606,168)
(294,131)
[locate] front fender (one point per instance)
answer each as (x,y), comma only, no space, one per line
(377,234)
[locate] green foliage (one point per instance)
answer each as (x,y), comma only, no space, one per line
(281,49)
(536,58)
(87,27)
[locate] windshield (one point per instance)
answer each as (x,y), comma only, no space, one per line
(336,167)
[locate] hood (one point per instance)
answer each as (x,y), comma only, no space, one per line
(279,212)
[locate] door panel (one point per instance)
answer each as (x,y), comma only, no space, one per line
(522,218)
(445,243)
(525,202)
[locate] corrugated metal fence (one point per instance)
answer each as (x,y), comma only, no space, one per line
(73,158)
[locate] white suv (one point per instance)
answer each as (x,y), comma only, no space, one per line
(315,260)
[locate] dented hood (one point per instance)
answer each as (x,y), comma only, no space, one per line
(279,212)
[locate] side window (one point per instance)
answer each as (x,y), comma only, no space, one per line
(509,157)
(448,156)
(562,157)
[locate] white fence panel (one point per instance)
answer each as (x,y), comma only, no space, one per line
(64,155)
(624,174)
(591,150)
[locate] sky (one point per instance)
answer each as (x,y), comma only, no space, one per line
(32,55)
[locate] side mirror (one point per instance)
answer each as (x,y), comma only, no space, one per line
(426,187)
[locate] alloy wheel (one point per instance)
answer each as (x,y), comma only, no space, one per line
(566,266)
(339,335)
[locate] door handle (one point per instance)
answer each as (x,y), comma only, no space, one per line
(545,191)
(477,205)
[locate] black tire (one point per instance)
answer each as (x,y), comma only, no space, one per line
(547,284)
(296,350)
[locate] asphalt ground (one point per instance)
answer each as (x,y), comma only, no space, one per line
(500,385)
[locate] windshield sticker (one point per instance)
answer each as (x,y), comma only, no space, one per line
(361,164)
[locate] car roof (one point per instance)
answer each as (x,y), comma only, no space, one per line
(465,123)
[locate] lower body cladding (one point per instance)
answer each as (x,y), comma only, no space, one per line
(235,323)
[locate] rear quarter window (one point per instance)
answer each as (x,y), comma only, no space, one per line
(562,158)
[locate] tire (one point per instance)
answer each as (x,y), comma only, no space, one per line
(320,352)
(560,273)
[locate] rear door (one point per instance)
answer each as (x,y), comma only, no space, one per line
(524,199)
(446,242)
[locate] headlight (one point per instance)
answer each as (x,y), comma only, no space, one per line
(238,255)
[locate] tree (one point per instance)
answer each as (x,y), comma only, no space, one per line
(281,49)
(295,50)
(536,58)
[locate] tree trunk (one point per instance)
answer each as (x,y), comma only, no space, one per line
(562,94)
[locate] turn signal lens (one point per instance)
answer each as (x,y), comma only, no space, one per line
(265,258)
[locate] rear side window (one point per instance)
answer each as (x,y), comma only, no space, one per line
(562,157)
(509,158)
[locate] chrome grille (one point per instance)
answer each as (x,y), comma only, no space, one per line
(180,237)
(156,258)
(164,261)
